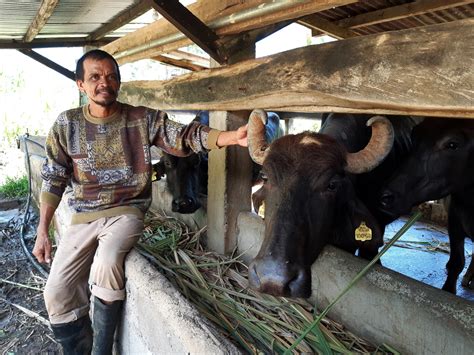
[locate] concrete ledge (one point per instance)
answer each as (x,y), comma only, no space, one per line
(384,306)
(388,307)
(159,320)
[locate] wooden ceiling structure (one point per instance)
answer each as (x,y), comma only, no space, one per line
(220,27)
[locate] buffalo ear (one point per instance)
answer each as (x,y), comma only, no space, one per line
(158,170)
(358,213)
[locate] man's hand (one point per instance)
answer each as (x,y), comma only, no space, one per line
(43,247)
(241,136)
(238,136)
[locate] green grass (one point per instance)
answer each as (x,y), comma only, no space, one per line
(14,187)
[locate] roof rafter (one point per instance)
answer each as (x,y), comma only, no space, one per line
(185,64)
(398,12)
(49,63)
(45,11)
(185,21)
(161,36)
(53,43)
(203,61)
(316,22)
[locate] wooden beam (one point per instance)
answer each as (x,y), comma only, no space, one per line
(205,10)
(316,22)
(398,12)
(120,20)
(49,63)
(197,31)
(185,64)
(296,10)
(203,61)
(236,44)
(45,11)
(420,71)
(219,15)
(54,42)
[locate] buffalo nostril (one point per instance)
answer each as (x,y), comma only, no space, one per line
(300,284)
(185,205)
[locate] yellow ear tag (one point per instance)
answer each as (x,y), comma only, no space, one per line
(153,176)
(261,210)
(363,232)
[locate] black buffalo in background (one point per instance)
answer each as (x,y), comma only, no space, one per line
(441,164)
(315,193)
(186,177)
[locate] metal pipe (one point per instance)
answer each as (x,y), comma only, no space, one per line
(244,15)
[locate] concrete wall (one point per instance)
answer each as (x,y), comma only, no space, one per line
(159,320)
(384,306)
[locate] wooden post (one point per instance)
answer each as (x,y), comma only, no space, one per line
(230,175)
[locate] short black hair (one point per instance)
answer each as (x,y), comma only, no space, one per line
(95,54)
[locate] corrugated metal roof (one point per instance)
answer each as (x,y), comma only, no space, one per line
(74,21)
(70,18)
(364,7)
(15,19)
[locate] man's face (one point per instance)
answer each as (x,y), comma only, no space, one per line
(101,83)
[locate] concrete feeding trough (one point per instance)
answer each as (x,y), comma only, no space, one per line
(384,306)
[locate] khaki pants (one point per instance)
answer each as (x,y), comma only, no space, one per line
(90,259)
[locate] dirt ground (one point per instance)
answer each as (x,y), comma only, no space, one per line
(23,317)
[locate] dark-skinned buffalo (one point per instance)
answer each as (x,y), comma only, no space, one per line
(186,177)
(312,195)
(441,164)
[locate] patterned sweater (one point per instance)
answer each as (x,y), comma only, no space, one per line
(107,161)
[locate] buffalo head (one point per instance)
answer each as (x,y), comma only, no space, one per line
(441,163)
(309,202)
(186,180)
(186,177)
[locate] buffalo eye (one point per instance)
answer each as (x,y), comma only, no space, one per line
(333,184)
(263,176)
(167,163)
(451,145)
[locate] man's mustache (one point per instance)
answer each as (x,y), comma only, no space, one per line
(107,90)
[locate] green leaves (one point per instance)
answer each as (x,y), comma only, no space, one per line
(14,187)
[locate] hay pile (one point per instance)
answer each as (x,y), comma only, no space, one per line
(217,286)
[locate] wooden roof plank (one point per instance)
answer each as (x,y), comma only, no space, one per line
(398,12)
(45,11)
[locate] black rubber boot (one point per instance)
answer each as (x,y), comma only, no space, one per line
(75,337)
(105,319)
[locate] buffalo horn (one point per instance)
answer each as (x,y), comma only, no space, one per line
(377,149)
(257,143)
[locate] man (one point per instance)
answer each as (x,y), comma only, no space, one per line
(103,151)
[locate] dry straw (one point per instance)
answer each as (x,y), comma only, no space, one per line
(217,286)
